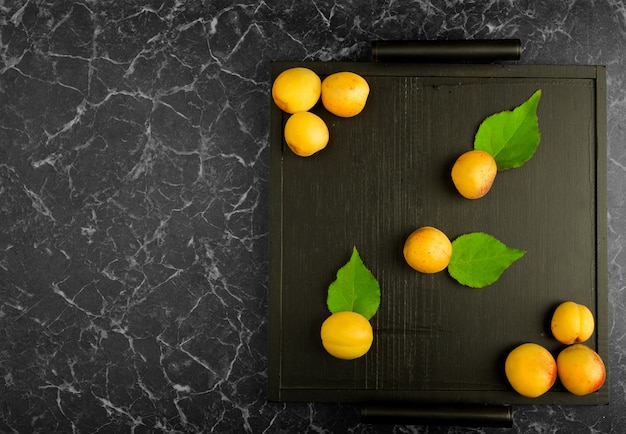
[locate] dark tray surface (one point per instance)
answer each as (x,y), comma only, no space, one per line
(384,173)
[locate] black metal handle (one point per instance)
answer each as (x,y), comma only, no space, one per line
(445,415)
(446,51)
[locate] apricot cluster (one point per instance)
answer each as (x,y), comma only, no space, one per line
(532,370)
(297,90)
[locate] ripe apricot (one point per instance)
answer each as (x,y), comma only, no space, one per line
(427,250)
(572,322)
(345,93)
(473,173)
(581,369)
(347,335)
(531,370)
(296,90)
(306,133)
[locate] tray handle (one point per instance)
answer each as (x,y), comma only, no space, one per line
(444,415)
(482,50)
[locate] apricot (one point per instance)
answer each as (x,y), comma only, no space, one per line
(572,322)
(531,370)
(345,93)
(306,133)
(428,250)
(581,369)
(346,335)
(296,90)
(473,173)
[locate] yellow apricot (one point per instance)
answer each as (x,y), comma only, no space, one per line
(296,90)
(530,369)
(346,335)
(581,369)
(345,93)
(427,250)
(572,322)
(473,173)
(306,133)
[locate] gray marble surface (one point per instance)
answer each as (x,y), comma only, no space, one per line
(134,178)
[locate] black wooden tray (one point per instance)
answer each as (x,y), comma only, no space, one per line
(386,172)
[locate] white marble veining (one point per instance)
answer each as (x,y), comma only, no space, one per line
(134,176)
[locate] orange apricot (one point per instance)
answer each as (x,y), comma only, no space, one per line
(296,90)
(531,370)
(473,173)
(572,322)
(346,335)
(581,370)
(428,250)
(345,93)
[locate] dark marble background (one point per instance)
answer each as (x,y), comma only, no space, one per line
(134,168)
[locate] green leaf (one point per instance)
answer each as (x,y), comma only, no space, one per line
(356,289)
(479,259)
(511,137)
